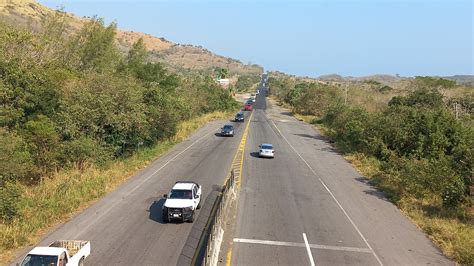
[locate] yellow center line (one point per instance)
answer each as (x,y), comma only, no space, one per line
(237,165)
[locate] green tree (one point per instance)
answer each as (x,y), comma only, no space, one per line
(420,98)
(94,48)
(433,82)
(107,108)
(16,162)
(221,73)
(137,55)
(79,152)
(44,142)
(10,195)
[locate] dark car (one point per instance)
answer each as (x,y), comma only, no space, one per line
(239,117)
(227,130)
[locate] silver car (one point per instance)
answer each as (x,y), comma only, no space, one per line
(266,150)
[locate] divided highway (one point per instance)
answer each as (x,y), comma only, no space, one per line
(308,206)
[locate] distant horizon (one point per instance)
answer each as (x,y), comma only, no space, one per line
(374,74)
(354,38)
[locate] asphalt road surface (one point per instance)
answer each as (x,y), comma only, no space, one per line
(126,227)
(308,206)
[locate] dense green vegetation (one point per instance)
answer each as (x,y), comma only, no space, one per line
(245,82)
(71,101)
(423,155)
(435,82)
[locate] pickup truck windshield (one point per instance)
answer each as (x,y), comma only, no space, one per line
(181,194)
(40,260)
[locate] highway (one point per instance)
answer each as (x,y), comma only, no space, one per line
(126,228)
(308,206)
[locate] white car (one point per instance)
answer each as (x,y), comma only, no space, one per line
(61,252)
(266,150)
(182,201)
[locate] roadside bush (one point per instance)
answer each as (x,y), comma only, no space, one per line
(16,162)
(385,88)
(75,99)
(245,82)
(84,150)
(43,141)
(348,126)
(434,82)
(10,195)
(419,98)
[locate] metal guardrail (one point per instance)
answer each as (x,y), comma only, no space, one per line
(213,233)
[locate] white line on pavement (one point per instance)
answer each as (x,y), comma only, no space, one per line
(138,185)
(308,249)
(332,195)
(302,245)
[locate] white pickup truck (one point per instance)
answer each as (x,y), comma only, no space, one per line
(59,253)
(182,201)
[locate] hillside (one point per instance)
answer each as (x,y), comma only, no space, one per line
(176,57)
(467,80)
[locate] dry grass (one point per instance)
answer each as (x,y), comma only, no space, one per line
(306,118)
(175,56)
(68,192)
(453,235)
(450,230)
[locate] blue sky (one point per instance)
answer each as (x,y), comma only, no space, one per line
(347,37)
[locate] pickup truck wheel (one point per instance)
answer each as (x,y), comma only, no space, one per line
(199,205)
(191,219)
(165,217)
(81,262)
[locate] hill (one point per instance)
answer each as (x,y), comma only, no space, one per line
(467,80)
(176,57)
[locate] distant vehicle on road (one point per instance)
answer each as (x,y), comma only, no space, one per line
(248,107)
(239,117)
(182,201)
(266,150)
(227,130)
(252,99)
(258,92)
(62,252)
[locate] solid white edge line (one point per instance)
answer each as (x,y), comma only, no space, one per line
(308,249)
(138,185)
(334,198)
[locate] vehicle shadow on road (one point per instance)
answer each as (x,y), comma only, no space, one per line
(155,212)
(255,154)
